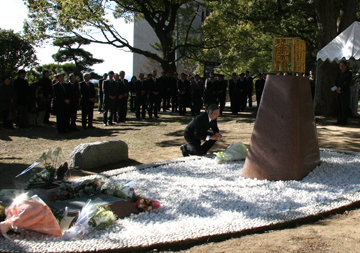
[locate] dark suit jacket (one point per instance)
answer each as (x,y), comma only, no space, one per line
(86,92)
(199,126)
(343,80)
(110,88)
(61,92)
(139,87)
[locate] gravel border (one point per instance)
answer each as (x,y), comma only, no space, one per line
(202,199)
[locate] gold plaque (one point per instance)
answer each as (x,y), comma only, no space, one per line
(289,55)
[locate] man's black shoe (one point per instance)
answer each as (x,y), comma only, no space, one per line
(183,150)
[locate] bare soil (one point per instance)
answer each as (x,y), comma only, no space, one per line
(152,140)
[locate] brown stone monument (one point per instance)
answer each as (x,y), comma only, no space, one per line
(284,143)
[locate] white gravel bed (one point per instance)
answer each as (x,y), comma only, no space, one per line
(201,198)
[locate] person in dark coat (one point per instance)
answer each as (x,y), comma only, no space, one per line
(234,100)
(87,92)
(174,93)
(342,83)
(101,94)
(45,84)
(241,92)
(22,89)
(259,87)
(165,87)
(110,92)
(141,96)
(221,87)
(7,101)
(74,101)
(132,93)
(210,91)
(154,94)
(249,87)
(184,93)
(197,93)
(62,92)
(123,101)
(198,130)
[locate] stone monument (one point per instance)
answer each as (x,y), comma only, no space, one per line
(284,143)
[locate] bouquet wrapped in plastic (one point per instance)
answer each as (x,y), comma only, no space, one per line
(81,225)
(234,152)
(145,204)
(30,213)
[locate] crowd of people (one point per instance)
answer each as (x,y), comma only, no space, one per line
(145,95)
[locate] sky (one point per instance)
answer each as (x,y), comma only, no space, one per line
(14,12)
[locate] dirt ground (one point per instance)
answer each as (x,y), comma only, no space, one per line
(153,140)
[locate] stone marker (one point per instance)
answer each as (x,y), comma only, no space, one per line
(96,154)
(284,143)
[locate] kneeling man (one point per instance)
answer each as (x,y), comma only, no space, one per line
(197,130)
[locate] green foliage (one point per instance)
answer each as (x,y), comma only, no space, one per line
(15,53)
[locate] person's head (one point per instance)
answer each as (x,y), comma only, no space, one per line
(86,77)
(22,74)
(167,74)
(176,75)
(122,74)
(247,72)
(343,65)
(221,77)
(234,76)
(46,74)
(183,76)
(141,76)
(154,73)
(117,77)
(60,77)
(312,75)
(133,79)
(6,80)
(242,76)
(260,75)
(212,76)
(192,79)
(213,111)
(72,78)
(105,75)
(163,74)
(197,77)
(111,74)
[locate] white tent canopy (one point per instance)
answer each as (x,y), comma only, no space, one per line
(345,46)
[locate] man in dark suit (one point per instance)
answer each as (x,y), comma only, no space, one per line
(101,95)
(184,93)
(221,87)
(234,100)
(174,96)
(154,95)
(249,87)
(62,94)
(259,87)
(343,81)
(141,96)
(210,90)
(87,91)
(197,130)
(74,101)
(22,90)
(124,88)
(45,85)
(241,92)
(110,91)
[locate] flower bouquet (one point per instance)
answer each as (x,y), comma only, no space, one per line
(234,152)
(147,205)
(103,218)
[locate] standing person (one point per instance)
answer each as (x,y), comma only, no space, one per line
(7,101)
(101,94)
(164,86)
(22,89)
(62,104)
(210,90)
(87,92)
(141,96)
(259,87)
(132,93)
(312,85)
(241,92)
(197,93)
(198,130)
(342,83)
(45,84)
(221,87)
(74,101)
(184,93)
(124,88)
(174,96)
(168,91)
(234,101)
(154,95)
(110,92)
(249,87)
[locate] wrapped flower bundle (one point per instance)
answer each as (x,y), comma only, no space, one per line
(148,205)
(234,152)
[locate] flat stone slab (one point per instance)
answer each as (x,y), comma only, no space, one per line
(96,154)
(284,143)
